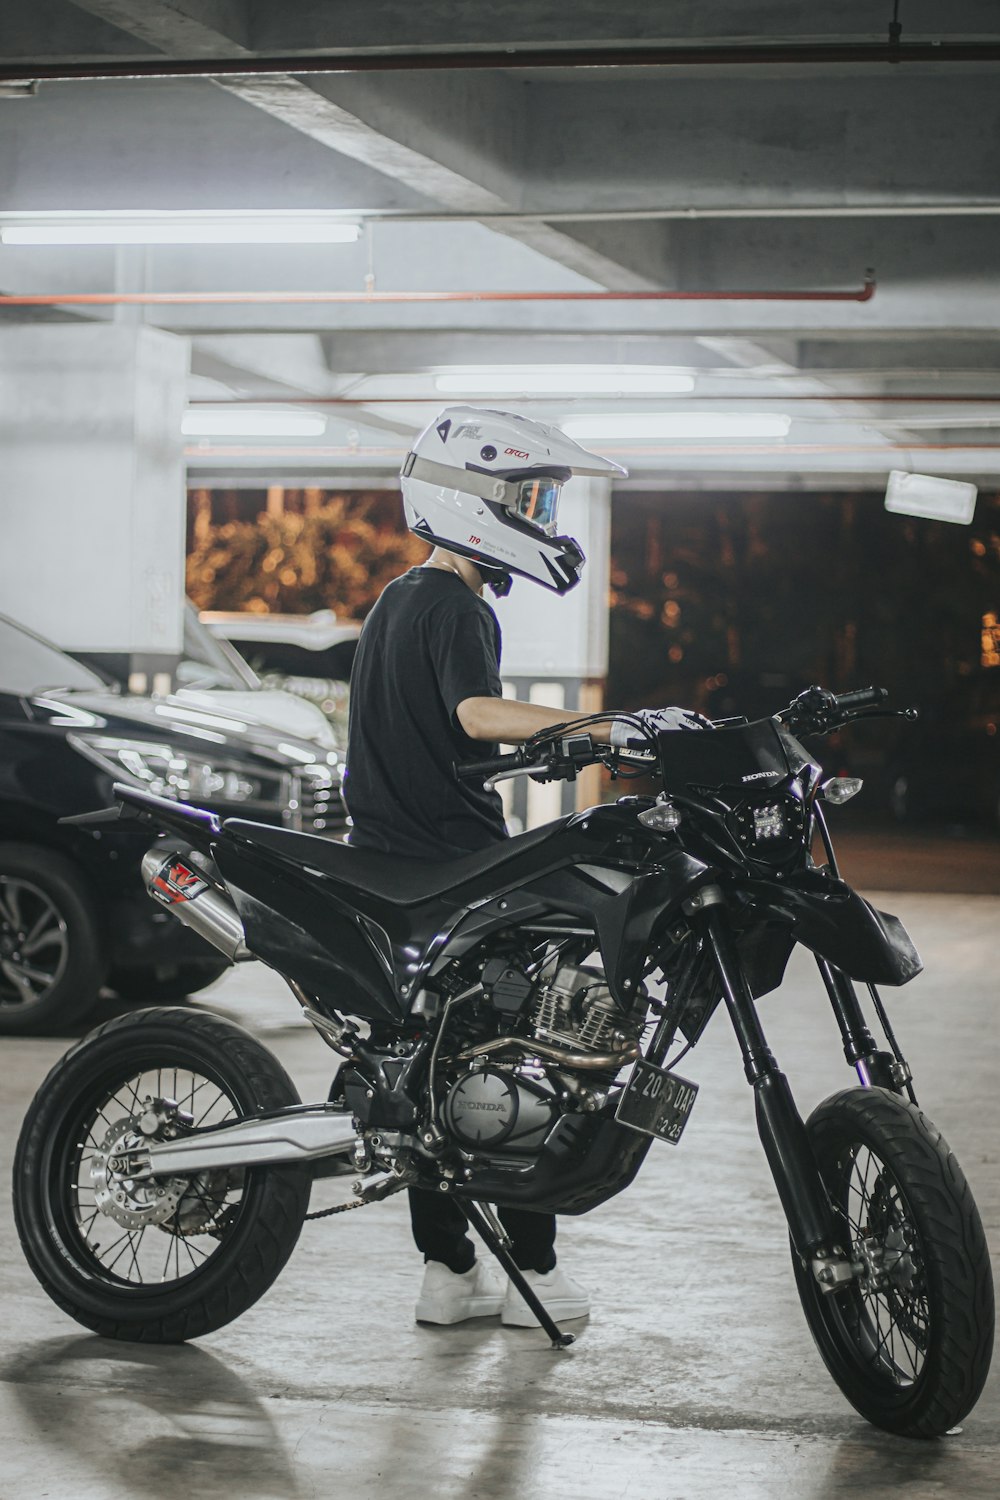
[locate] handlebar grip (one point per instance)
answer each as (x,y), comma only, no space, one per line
(861,697)
(479,770)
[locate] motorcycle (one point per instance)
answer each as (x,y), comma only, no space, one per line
(505,1024)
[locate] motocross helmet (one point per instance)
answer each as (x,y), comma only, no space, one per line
(486,484)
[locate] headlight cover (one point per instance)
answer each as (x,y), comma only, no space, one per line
(185,775)
(770,826)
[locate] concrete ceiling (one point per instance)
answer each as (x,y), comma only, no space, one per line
(694,176)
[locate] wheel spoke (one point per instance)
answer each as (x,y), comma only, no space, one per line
(133,1255)
(18,978)
(12,904)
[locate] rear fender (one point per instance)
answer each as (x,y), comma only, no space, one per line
(833,921)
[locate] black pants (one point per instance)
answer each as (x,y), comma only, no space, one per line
(440,1230)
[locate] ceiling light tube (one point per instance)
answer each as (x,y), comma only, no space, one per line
(677,426)
(565,380)
(250,423)
(270,228)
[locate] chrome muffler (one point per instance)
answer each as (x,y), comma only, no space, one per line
(174,882)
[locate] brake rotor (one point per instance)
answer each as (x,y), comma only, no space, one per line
(133,1203)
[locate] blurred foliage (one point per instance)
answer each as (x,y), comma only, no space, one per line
(338,557)
(734,602)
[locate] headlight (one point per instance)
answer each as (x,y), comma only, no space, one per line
(769,828)
(168,772)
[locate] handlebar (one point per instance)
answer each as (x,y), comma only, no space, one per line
(480,770)
(860,698)
(559,757)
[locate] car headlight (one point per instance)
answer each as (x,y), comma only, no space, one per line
(185,775)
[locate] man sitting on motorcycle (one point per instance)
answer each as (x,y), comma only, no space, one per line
(481,487)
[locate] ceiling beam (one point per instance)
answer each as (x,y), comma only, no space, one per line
(172,27)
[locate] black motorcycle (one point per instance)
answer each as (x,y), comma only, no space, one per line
(506,1022)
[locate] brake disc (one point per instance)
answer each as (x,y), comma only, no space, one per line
(132,1203)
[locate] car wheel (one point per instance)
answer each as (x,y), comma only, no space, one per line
(51,963)
(151,986)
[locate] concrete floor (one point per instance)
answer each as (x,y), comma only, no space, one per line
(696,1375)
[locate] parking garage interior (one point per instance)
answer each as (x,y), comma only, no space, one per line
(248,253)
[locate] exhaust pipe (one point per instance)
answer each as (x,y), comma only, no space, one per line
(174,883)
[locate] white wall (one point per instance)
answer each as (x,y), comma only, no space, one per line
(92,498)
(545,635)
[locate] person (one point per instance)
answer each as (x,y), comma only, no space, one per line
(483,489)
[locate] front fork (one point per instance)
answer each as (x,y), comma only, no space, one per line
(783,1135)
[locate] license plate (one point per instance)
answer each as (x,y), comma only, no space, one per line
(656,1102)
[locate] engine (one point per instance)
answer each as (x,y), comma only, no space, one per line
(572,1035)
(493,1108)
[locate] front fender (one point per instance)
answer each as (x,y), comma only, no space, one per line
(833,921)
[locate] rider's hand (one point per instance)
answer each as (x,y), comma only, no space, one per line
(659,721)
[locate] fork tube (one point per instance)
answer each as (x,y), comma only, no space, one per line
(782,1133)
(860,1046)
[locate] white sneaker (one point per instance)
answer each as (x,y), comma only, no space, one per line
(448,1297)
(561,1297)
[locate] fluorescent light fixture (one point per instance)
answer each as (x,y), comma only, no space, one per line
(196,228)
(933,499)
(564,380)
(251,422)
(677,426)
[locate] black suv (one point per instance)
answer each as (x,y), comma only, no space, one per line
(73,912)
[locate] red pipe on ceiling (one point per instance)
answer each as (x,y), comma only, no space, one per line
(246,299)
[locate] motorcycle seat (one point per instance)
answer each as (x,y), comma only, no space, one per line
(405,882)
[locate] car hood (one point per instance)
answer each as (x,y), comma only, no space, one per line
(268,706)
(178,718)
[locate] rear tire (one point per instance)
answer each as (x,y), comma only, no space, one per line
(228,1233)
(51,961)
(910,1342)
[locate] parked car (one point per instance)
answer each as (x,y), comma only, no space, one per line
(948,763)
(73,912)
(309,655)
(212,672)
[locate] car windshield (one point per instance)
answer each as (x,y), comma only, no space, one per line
(30,665)
(209,662)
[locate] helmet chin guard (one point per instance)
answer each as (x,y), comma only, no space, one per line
(486,485)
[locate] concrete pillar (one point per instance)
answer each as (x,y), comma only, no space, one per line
(555,648)
(92,500)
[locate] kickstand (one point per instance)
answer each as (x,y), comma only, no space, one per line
(481,1224)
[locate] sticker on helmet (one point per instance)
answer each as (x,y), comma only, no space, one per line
(488,453)
(468,431)
(443,430)
(515,452)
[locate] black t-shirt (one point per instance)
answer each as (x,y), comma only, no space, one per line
(428,644)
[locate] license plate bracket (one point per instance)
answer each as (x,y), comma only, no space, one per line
(656,1102)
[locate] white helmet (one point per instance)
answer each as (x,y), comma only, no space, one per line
(485,484)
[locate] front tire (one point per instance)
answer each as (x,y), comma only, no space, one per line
(175,1258)
(908,1341)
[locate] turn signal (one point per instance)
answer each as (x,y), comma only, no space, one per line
(841,788)
(664,817)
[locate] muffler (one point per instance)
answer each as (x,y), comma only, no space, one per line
(178,885)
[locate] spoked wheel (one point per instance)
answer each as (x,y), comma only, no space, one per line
(909,1339)
(169,1258)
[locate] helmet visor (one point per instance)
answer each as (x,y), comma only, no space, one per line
(538,502)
